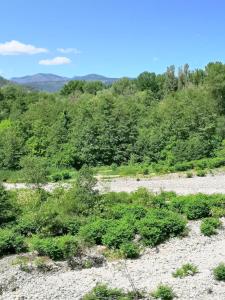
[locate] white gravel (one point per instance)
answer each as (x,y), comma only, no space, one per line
(152,268)
(209,184)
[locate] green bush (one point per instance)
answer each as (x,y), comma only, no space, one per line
(72,225)
(66,175)
(178,204)
(117,233)
(185,270)
(130,250)
(7,211)
(219,272)
(189,174)
(164,292)
(103,292)
(56,177)
(218,212)
(209,226)
(160,225)
(57,248)
(11,242)
(136,212)
(26,225)
(93,231)
(146,171)
(197,208)
(201,173)
(184,166)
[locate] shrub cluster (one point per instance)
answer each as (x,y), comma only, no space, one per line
(209,226)
(11,242)
(159,225)
(57,248)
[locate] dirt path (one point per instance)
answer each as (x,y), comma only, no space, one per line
(209,184)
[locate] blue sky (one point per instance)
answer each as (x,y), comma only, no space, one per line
(110,37)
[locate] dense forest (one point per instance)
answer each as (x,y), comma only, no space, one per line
(168,118)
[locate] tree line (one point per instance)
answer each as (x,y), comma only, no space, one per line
(170,117)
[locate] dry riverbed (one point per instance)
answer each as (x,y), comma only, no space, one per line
(209,184)
(155,266)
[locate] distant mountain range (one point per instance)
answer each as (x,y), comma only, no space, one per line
(53,83)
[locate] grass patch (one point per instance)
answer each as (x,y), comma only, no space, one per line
(186,270)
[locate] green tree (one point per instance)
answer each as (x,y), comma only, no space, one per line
(7,213)
(35,170)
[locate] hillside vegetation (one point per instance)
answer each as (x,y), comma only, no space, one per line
(163,122)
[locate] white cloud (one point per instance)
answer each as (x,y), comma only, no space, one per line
(17,48)
(69,50)
(59,60)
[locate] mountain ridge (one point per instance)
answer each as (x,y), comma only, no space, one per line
(49,82)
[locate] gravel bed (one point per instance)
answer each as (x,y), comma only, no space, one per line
(209,184)
(155,266)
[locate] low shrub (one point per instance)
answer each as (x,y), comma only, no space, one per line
(196,208)
(103,292)
(164,292)
(117,233)
(66,175)
(219,272)
(26,225)
(57,248)
(130,250)
(145,171)
(184,166)
(218,212)
(160,225)
(189,174)
(185,270)
(11,242)
(72,225)
(56,177)
(178,203)
(7,211)
(93,231)
(201,173)
(209,226)
(136,212)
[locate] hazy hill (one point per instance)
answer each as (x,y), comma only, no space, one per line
(3,81)
(53,83)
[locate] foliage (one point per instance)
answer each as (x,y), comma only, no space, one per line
(186,270)
(92,232)
(166,122)
(209,226)
(57,248)
(117,233)
(7,212)
(130,250)
(164,292)
(201,173)
(160,225)
(102,291)
(11,242)
(197,209)
(34,169)
(219,272)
